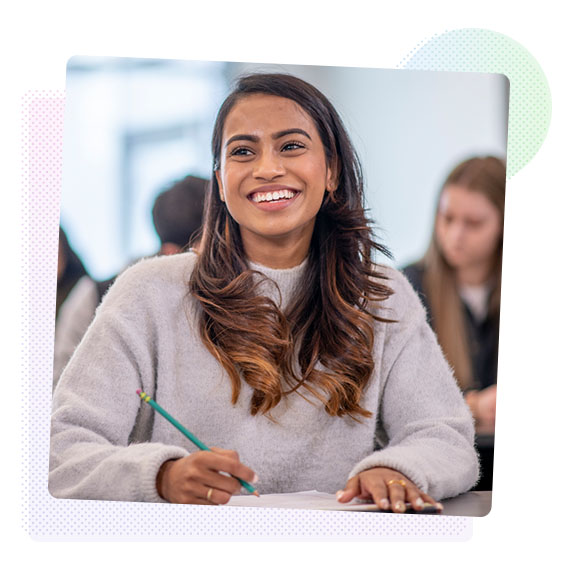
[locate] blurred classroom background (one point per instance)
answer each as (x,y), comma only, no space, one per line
(134,126)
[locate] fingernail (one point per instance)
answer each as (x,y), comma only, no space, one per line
(255,479)
(439,506)
(339,494)
(399,506)
(384,504)
(419,502)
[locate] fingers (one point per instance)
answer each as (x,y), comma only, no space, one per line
(403,491)
(355,487)
(379,494)
(398,494)
(226,462)
(214,496)
(238,473)
(228,452)
(204,477)
(388,489)
(351,490)
(232,465)
(428,499)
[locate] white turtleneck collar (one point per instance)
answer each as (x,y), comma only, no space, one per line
(287,280)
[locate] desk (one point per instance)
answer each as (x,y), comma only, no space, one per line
(473,503)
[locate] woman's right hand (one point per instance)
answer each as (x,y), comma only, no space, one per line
(198,478)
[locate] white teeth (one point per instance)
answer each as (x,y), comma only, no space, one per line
(273,196)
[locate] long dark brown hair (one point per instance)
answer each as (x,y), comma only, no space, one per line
(485,175)
(323,340)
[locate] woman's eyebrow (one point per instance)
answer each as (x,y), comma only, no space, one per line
(277,135)
(290,132)
(242,137)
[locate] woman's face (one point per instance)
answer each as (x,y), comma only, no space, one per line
(273,172)
(468,227)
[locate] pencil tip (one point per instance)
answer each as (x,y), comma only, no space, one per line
(256,493)
(138,392)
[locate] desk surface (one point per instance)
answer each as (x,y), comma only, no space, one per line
(473,503)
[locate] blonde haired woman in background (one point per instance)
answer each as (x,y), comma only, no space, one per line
(459,280)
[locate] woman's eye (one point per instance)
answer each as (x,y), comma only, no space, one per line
(293,146)
(240,152)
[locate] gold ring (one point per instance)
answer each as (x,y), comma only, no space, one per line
(209,494)
(397,481)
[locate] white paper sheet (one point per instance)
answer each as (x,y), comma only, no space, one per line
(311,500)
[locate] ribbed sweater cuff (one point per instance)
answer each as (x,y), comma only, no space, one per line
(151,467)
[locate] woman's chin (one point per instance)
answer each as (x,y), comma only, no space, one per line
(457,261)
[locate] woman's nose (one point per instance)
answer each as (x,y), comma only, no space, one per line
(268,165)
(457,232)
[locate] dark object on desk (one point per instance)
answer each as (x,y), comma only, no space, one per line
(427,509)
(485,445)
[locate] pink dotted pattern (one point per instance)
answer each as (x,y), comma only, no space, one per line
(47,518)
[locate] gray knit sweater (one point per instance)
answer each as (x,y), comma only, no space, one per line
(107,444)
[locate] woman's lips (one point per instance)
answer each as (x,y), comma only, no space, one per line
(273,197)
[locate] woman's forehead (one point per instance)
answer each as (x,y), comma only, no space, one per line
(262,112)
(464,200)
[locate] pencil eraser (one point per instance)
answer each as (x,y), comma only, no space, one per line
(138,392)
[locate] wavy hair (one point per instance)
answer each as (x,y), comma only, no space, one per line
(323,340)
(485,175)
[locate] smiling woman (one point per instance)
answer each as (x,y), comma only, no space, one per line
(278,340)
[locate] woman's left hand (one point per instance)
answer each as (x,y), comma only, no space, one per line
(387,488)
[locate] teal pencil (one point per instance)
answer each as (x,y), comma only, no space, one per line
(147,399)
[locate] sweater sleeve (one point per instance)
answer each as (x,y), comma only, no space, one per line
(96,408)
(427,430)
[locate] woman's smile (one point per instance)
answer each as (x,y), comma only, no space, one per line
(273,197)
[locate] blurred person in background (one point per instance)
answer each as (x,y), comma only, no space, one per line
(459,281)
(70,270)
(177,218)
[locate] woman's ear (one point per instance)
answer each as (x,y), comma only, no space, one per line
(219,182)
(332,175)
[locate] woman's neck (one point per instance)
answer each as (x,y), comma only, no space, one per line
(276,252)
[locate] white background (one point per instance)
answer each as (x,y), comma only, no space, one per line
(529,524)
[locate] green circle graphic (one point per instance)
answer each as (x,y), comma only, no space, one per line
(485,51)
